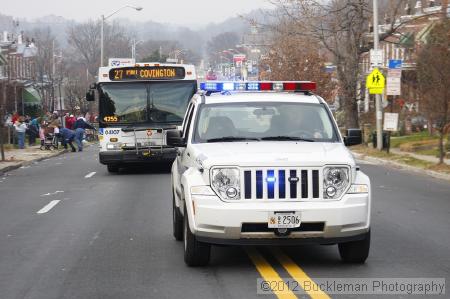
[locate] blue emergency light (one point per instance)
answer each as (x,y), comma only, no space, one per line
(217,86)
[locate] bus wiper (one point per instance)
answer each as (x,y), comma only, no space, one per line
(288,138)
(231,139)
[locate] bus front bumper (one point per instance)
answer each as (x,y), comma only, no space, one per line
(133,157)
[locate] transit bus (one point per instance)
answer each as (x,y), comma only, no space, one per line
(138,104)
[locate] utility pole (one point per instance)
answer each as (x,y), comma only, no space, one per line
(379,112)
(101,39)
(2,120)
(59,87)
(102,28)
(133,48)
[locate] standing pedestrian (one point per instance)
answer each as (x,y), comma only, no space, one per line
(21,128)
(67,137)
(79,135)
(42,133)
(70,122)
(33,131)
(15,118)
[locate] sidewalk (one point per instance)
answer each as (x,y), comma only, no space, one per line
(420,157)
(402,165)
(16,158)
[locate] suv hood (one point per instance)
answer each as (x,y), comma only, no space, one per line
(276,153)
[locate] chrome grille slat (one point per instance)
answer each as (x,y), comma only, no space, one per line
(307,187)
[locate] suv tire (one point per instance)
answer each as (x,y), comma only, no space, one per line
(177,220)
(355,251)
(113,168)
(195,253)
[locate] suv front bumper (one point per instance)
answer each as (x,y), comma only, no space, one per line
(245,222)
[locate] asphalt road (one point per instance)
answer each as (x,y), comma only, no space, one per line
(63,235)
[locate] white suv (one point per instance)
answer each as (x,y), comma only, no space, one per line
(266,168)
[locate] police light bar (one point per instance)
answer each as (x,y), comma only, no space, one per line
(216,86)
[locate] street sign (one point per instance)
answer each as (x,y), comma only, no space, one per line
(375,80)
(393,82)
(390,122)
(395,63)
(116,62)
(376,90)
(376,57)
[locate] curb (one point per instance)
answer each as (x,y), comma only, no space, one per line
(397,165)
(26,163)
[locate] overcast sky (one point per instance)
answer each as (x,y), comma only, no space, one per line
(186,12)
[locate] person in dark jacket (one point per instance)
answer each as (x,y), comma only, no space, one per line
(80,126)
(67,137)
(81,123)
(33,131)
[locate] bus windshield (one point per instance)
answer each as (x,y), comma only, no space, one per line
(145,102)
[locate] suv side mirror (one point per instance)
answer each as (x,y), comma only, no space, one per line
(175,139)
(354,137)
(90,96)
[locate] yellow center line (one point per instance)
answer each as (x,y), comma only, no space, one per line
(298,274)
(269,274)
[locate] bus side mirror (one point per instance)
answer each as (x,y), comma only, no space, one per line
(175,139)
(354,137)
(90,96)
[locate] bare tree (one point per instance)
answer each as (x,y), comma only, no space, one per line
(46,44)
(297,58)
(157,50)
(433,67)
(84,40)
(341,27)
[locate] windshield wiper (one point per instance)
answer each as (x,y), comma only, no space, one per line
(231,139)
(287,138)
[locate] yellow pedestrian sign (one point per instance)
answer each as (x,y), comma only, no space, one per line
(376,91)
(375,80)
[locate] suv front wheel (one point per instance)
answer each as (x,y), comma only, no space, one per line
(113,168)
(355,251)
(177,220)
(195,253)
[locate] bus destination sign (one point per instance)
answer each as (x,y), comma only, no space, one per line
(147,73)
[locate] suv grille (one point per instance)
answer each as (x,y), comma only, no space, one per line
(290,183)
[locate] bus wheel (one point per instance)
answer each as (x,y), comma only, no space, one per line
(113,168)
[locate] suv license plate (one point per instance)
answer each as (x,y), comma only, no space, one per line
(284,220)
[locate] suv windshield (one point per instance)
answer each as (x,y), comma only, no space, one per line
(139,102)
(264,121)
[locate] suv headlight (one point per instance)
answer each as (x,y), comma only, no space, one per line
(335,181)
(226,183)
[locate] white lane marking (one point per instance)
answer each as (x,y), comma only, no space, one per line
(94,238)
(54,193)
(48,207)
(90,175)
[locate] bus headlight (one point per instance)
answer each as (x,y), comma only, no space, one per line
(335,181)
(226,183)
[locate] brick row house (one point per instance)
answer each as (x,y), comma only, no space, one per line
(415,23)
(17,75)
